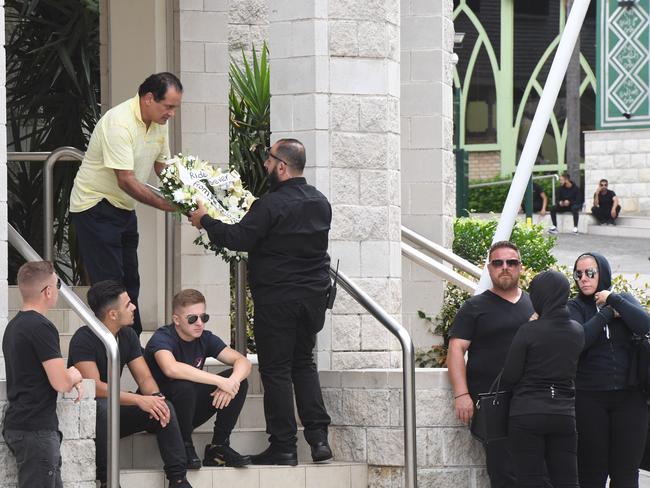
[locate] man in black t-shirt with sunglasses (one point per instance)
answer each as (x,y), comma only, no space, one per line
(176,355)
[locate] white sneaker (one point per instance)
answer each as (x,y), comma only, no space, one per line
(552,230)
(575,230)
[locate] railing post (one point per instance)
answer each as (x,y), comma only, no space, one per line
(241,337)
(48,194)
(170,250)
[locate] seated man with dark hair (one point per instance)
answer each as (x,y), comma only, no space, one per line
(176,354)
(606,205)
(144,411)
(568,199)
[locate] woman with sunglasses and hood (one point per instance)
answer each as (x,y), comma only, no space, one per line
(541,367)
(611,415)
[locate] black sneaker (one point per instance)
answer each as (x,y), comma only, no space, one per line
(193,461)
(182,483)
(224,455)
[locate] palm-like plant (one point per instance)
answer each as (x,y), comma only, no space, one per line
(250,119)
(52,100)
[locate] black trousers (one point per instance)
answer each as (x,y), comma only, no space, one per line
(544,446)
(499,464)
(133,420)
(193,405)
(108,243)
(285,334)
(574,209)
(604,214)
(612,427)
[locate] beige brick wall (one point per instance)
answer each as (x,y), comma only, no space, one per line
(484,165)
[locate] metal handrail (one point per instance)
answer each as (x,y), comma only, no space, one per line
(408,370)
(112,353)
(507,182)
(48,193)
(438,268)
(441,252)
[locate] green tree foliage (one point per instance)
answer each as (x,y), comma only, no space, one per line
(52,68)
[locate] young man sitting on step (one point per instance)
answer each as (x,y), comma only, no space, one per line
(146,410)
(176,354)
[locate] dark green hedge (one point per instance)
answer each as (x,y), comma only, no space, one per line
(491,198)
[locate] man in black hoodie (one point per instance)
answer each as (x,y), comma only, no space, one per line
(568,199)
(611,413)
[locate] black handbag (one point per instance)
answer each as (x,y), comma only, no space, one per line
(490,420)
(638,374)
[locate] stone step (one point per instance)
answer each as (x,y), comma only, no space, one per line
(140,451)
(634,221)
(333,475)
(619,231)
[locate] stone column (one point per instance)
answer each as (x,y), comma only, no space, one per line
(202,48)
(335,86)
(4,304)
(428,167)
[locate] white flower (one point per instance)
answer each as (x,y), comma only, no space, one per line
(180,196)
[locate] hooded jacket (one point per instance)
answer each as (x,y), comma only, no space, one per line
(543,358)
(604,363)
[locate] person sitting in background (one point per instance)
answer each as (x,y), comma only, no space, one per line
(541,367)
(568,199)
(606,205)
(540,200)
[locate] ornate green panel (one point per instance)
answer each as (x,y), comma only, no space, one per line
(623,58)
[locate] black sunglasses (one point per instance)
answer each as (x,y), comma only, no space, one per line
(590,272)
(192,318)
(58,285)
(511,263)
(269,153)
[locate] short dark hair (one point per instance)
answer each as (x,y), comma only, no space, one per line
(187,297)
(158,84)
(103,295)
(603,179)
(566,175)
(502,244)
(292,152)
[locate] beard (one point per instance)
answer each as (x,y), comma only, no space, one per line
(505,281)
(274,179)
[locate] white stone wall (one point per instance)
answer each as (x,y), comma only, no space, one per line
(623,158)
(77,424)
(428,167)
(335,86)
(248,26)
(4,303)
(202,44)
(367,427)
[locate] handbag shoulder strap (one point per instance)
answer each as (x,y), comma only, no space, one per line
(496,382)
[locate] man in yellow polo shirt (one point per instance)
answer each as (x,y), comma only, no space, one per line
(128,141)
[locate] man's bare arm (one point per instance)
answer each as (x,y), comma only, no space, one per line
(128,183)
(463,404)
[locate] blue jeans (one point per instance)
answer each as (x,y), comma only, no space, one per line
(38,457)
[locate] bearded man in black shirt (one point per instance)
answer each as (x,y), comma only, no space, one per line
(484,328)
(285,234)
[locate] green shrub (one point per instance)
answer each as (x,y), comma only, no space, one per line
(488,199)
(473,237)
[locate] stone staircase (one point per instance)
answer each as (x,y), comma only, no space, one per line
(636,226)
(140,463)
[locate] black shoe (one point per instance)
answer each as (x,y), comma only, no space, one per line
(182,483)
(321,452)
(270,456)
(193,461)
(224,455)
(612,221)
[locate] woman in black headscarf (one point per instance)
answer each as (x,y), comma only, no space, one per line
(611,414)
(541,367)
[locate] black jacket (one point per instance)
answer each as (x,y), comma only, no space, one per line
(604,363)
(573,194)
(286,234)
(542,360)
